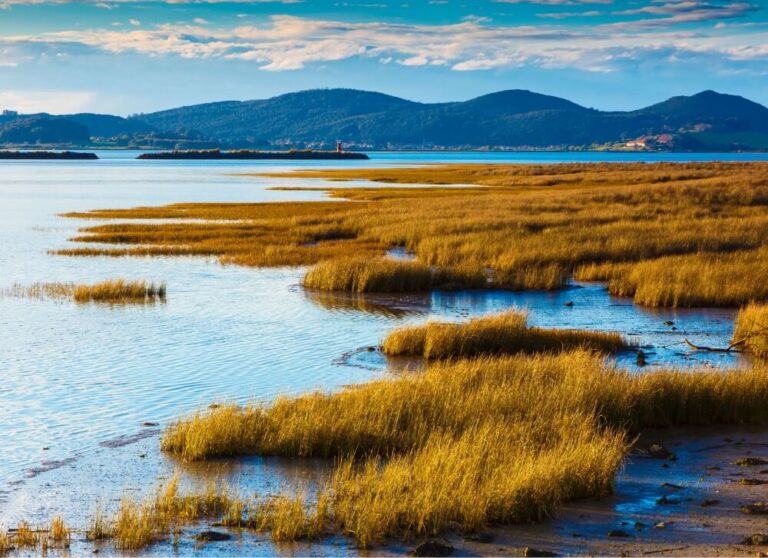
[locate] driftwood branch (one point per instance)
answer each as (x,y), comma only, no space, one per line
(727,349)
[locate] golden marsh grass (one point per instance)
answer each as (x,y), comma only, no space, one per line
(529,226)
(113,291)
(752,329)
(505,333)
(472,442)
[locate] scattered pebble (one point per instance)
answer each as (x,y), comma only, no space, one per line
(758,539)
(212,536)
(758,508)
(750,461)
(480,537)
(658,451)
(432,548)
(752,482)
(664,501)
(618,533)
(537,552)
(708,503)
(149,423)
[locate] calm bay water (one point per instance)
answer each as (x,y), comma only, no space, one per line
(76,379)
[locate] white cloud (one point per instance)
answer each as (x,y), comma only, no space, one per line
(134,22)
(57,102)
(291,43)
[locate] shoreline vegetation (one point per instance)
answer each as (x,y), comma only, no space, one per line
(45,155)
(248,154)
(118,291)
(667,234)
(472,442)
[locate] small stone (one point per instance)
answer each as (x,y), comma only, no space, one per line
(750,461)
(752,482)
(758,539)
(708,503)
(569,303)
(639,526)
(432,548)
(664,501)
(46,448)
(669,323)
(142,455)
(618,533)
(370,349)
(484,538)
(658,451)
(212,536)
(758,508)
(537,552)
(149,423)
(673,486)
(714,468)
(640,359)
(662,525)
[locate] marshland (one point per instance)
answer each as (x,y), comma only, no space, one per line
(623,257)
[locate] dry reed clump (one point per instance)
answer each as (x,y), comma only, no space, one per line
(380,275)
(59,531)
(25,536)
(751,330)
(531,226)
(505,333)
(113,291)
(702,279)
(138,524)
(120,290)
(471,442)
(100,527)
(5,541)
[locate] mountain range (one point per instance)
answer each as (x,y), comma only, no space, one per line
(514,119)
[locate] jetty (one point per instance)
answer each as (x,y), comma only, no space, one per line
(46,155)
(245,154)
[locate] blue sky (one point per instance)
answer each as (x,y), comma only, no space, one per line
(128,56)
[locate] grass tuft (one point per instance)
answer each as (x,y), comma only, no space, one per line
(112,291)
(506,333)
(752,329)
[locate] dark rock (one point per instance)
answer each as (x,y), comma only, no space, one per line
(664,501)
(752,482)
(714,468)
(708,503)
(150,423)
(758,508)
(569,303)
(750,461)
(537,552)
(758,539)
(641,358)
(639,525)
(658,451)
(669,323)
(212,536)
(618,533)
(432,548)
(484,538)
(673,486)
(370,349)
